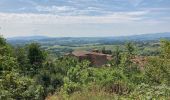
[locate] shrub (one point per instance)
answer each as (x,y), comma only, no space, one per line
(13,86)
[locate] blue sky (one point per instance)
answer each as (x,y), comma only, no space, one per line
(83,18)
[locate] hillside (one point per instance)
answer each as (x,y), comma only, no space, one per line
(85,40)
(30,72)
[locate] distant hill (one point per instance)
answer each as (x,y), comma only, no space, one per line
(152,36)
(87,40)
(27,38)
(143,37)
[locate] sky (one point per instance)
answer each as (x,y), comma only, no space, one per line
(83,18)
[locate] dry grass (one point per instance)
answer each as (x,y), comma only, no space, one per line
(93,94)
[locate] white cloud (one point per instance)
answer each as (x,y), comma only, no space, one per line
(117,17)
(117,23)
(55,9)
(69,10)
(82,17)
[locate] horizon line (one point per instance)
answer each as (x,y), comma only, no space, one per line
(81,36)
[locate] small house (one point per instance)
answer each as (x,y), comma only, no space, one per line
(96,59)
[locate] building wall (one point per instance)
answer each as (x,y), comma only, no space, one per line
(98,60)
(81,58)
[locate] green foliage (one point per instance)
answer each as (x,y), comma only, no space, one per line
(79,73)
(130,48)
(104,51)
(147,92)
(117,56)
(158,68)
(70,87)
(2,41)
(5,49)
(63,64)
(22,59)
(158,71)
(77,77)
(13,86)
(7,63)
(35,54)
(165,46)
(125,60)
(29,75)
(117,83)
(93,92)
(49,78)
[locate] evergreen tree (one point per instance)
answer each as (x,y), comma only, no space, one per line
(22,59)
(117,56)
(2,41)
(36,55)
(130,48)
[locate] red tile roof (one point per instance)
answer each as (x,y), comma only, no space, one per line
(84,53)
(80,53)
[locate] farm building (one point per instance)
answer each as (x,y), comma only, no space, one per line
(96,59)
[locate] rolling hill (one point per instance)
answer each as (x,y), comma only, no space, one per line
(87,40)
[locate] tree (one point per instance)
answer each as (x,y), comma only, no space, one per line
(76,77)
(16,87)
(22,59)
(49,78)
(13,85)
(157,70)
(165,46)
(36,55)
(2,41)
(117,56)
(7,64)
(130,48)
(5,49)
(103,50)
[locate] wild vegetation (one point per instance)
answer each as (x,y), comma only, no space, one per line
(29,72)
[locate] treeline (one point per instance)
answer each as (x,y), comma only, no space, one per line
(30,73)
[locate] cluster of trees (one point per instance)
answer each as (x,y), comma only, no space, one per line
(30,73)
(14,84)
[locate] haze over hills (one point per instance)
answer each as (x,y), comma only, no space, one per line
(142,37)
(151,36)
(78,41)
(28,38)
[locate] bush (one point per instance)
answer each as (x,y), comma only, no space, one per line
(147,92)
(13,86)
(157,71)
